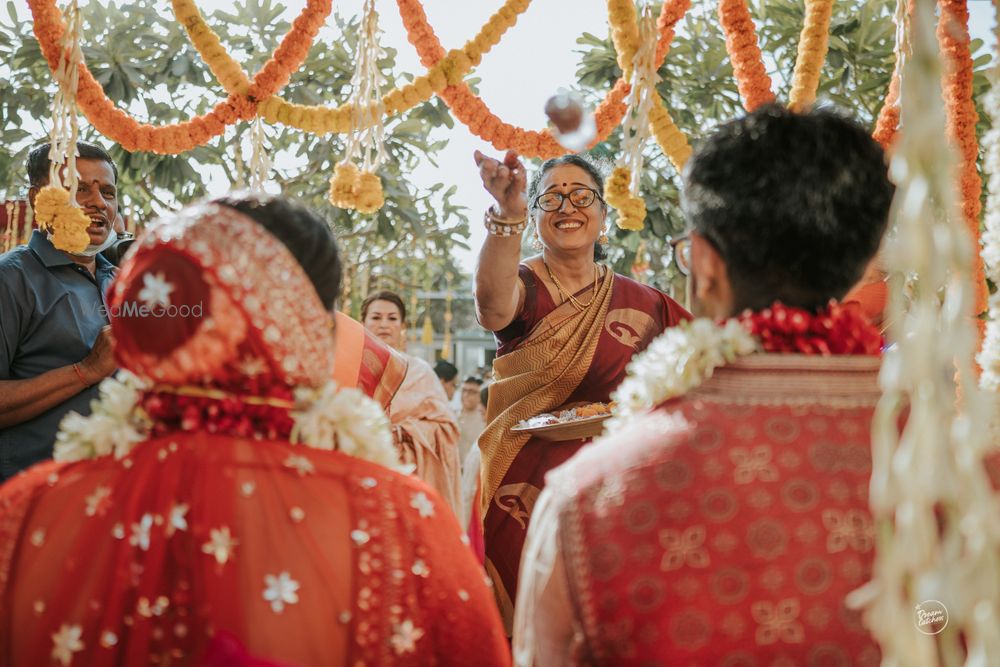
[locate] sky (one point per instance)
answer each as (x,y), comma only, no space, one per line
(515,80)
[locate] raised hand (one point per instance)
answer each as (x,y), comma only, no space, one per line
(506,181)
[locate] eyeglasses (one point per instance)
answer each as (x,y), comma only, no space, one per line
(579,198)
(681,246)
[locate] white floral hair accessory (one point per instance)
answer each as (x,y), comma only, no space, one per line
(329,418)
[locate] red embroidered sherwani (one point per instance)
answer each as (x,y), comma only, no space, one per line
(724,528)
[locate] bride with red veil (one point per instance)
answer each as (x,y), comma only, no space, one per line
(225,493)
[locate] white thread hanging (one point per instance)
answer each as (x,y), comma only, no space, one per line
(366,141)
(65,129)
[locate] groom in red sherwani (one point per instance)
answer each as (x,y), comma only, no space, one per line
(726,524)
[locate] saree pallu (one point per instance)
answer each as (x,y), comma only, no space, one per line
(426,433)
(538,376)
(362,361)
(567,356)
(424,427)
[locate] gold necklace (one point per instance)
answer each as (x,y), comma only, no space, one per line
(566,295)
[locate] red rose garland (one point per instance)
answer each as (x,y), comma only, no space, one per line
(838,329)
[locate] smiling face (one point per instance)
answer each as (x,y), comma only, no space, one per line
(384,321)
(568,228)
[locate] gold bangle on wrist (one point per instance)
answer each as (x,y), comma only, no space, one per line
(494,216)
(498,226)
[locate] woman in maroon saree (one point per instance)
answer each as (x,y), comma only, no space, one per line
(566,328)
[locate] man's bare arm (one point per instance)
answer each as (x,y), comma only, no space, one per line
(21,400)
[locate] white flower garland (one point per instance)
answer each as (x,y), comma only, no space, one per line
(329,418)
(679,360)
(932,502)
(989,357)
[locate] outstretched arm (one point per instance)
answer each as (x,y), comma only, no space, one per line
(499,293)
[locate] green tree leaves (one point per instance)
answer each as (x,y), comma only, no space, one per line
(145,63)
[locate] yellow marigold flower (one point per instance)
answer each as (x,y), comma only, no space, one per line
(67,222)
(672,141)
(437,80)
(411,97)
(423,87)
(344,184)
(369,196)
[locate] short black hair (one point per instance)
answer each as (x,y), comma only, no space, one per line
(445,370)
(306,235)
(484,395)
(384,295)
(38,161)
(795,203)
(590,165)
(472,379)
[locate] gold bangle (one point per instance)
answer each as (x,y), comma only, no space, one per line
(493,216)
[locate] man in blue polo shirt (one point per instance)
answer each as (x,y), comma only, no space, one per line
(55,343)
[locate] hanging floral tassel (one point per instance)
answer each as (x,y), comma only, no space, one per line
(622,191)
(989,356)
(932,501)
(345,182)
(55,206)
(631,208)
(353,187)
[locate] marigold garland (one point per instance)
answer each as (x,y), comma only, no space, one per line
(672,141)
(887,123)
(813,44)
(448,70)
(623,18)
(953,38)
(741,44)
(888,116)
(621,192)
(178,137)
(471,111)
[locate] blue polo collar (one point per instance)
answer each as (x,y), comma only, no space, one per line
(51,256)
